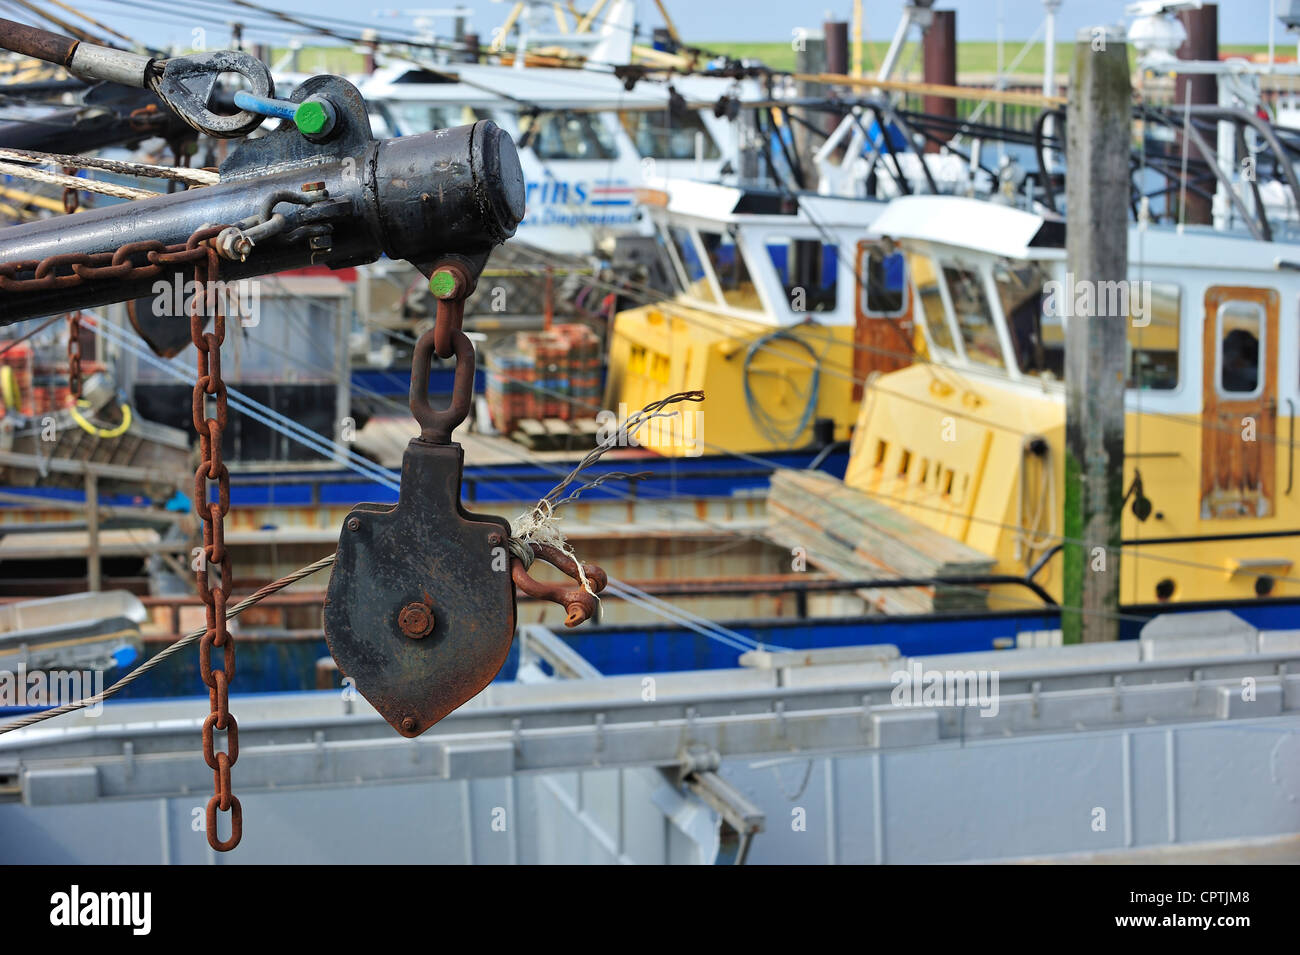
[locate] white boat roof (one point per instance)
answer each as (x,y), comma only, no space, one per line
(994,229)
(966,223)
(490,84)
(710,200)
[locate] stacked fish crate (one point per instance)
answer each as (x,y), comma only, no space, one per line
(543,388)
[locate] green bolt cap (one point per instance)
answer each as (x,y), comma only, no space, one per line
(312,118)
(442,283)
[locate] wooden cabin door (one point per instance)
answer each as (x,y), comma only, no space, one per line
(1240,401)
(882,309)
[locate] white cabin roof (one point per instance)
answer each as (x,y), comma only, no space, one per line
(976,224)
(991,228)
(550,87)
(708,200)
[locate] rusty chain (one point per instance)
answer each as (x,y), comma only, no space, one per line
(74,354)
(72,202)
(147,259)
(209,383)
(71,197)
(135,260)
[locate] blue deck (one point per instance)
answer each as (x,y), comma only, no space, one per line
(710,475)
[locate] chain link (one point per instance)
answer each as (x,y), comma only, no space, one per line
(209,383)
(73,268)
(71,203)
(74,354)
(71,197)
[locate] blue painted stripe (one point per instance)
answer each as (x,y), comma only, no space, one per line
(289,666)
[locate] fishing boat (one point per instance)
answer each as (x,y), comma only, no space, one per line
(585,140)
(940,346)
(969,441)
(88,634)
(781,306)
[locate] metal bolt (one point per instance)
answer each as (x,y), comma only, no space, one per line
(232,244)
(416,620)
(444,283)
(315,118)
(354,524)
(494,539)
(408,724)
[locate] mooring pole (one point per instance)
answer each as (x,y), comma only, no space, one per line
(94,564)
(1097,198)
(1202,43)
(940,65)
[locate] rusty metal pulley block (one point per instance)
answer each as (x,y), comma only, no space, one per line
(420,609)
(415,613)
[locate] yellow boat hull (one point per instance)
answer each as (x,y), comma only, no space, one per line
(654,352)
(952,454)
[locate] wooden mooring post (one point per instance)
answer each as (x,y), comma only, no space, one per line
(94,566)
(1097,198)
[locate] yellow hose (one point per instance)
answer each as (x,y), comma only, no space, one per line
(91,428)
(9,392)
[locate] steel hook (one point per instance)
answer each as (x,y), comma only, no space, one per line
(184,83)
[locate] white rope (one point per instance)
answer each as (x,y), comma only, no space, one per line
(195,177)
(538,527)
(1029,538)
(73,182)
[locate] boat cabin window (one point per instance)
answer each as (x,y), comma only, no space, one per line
(807,271)
(975,322)
(1037,337)
(1240,334)
(1155,319)
(884,282)
(691,260)
(930,298)
(731,270)
(567,136)
(661,135)
(666,259)
(413,118)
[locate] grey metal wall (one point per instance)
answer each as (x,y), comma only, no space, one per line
(1030,796)
(1002,799)
(597,817)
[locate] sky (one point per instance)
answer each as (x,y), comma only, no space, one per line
(700,21)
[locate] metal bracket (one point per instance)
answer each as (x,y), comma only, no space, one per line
(284,147)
